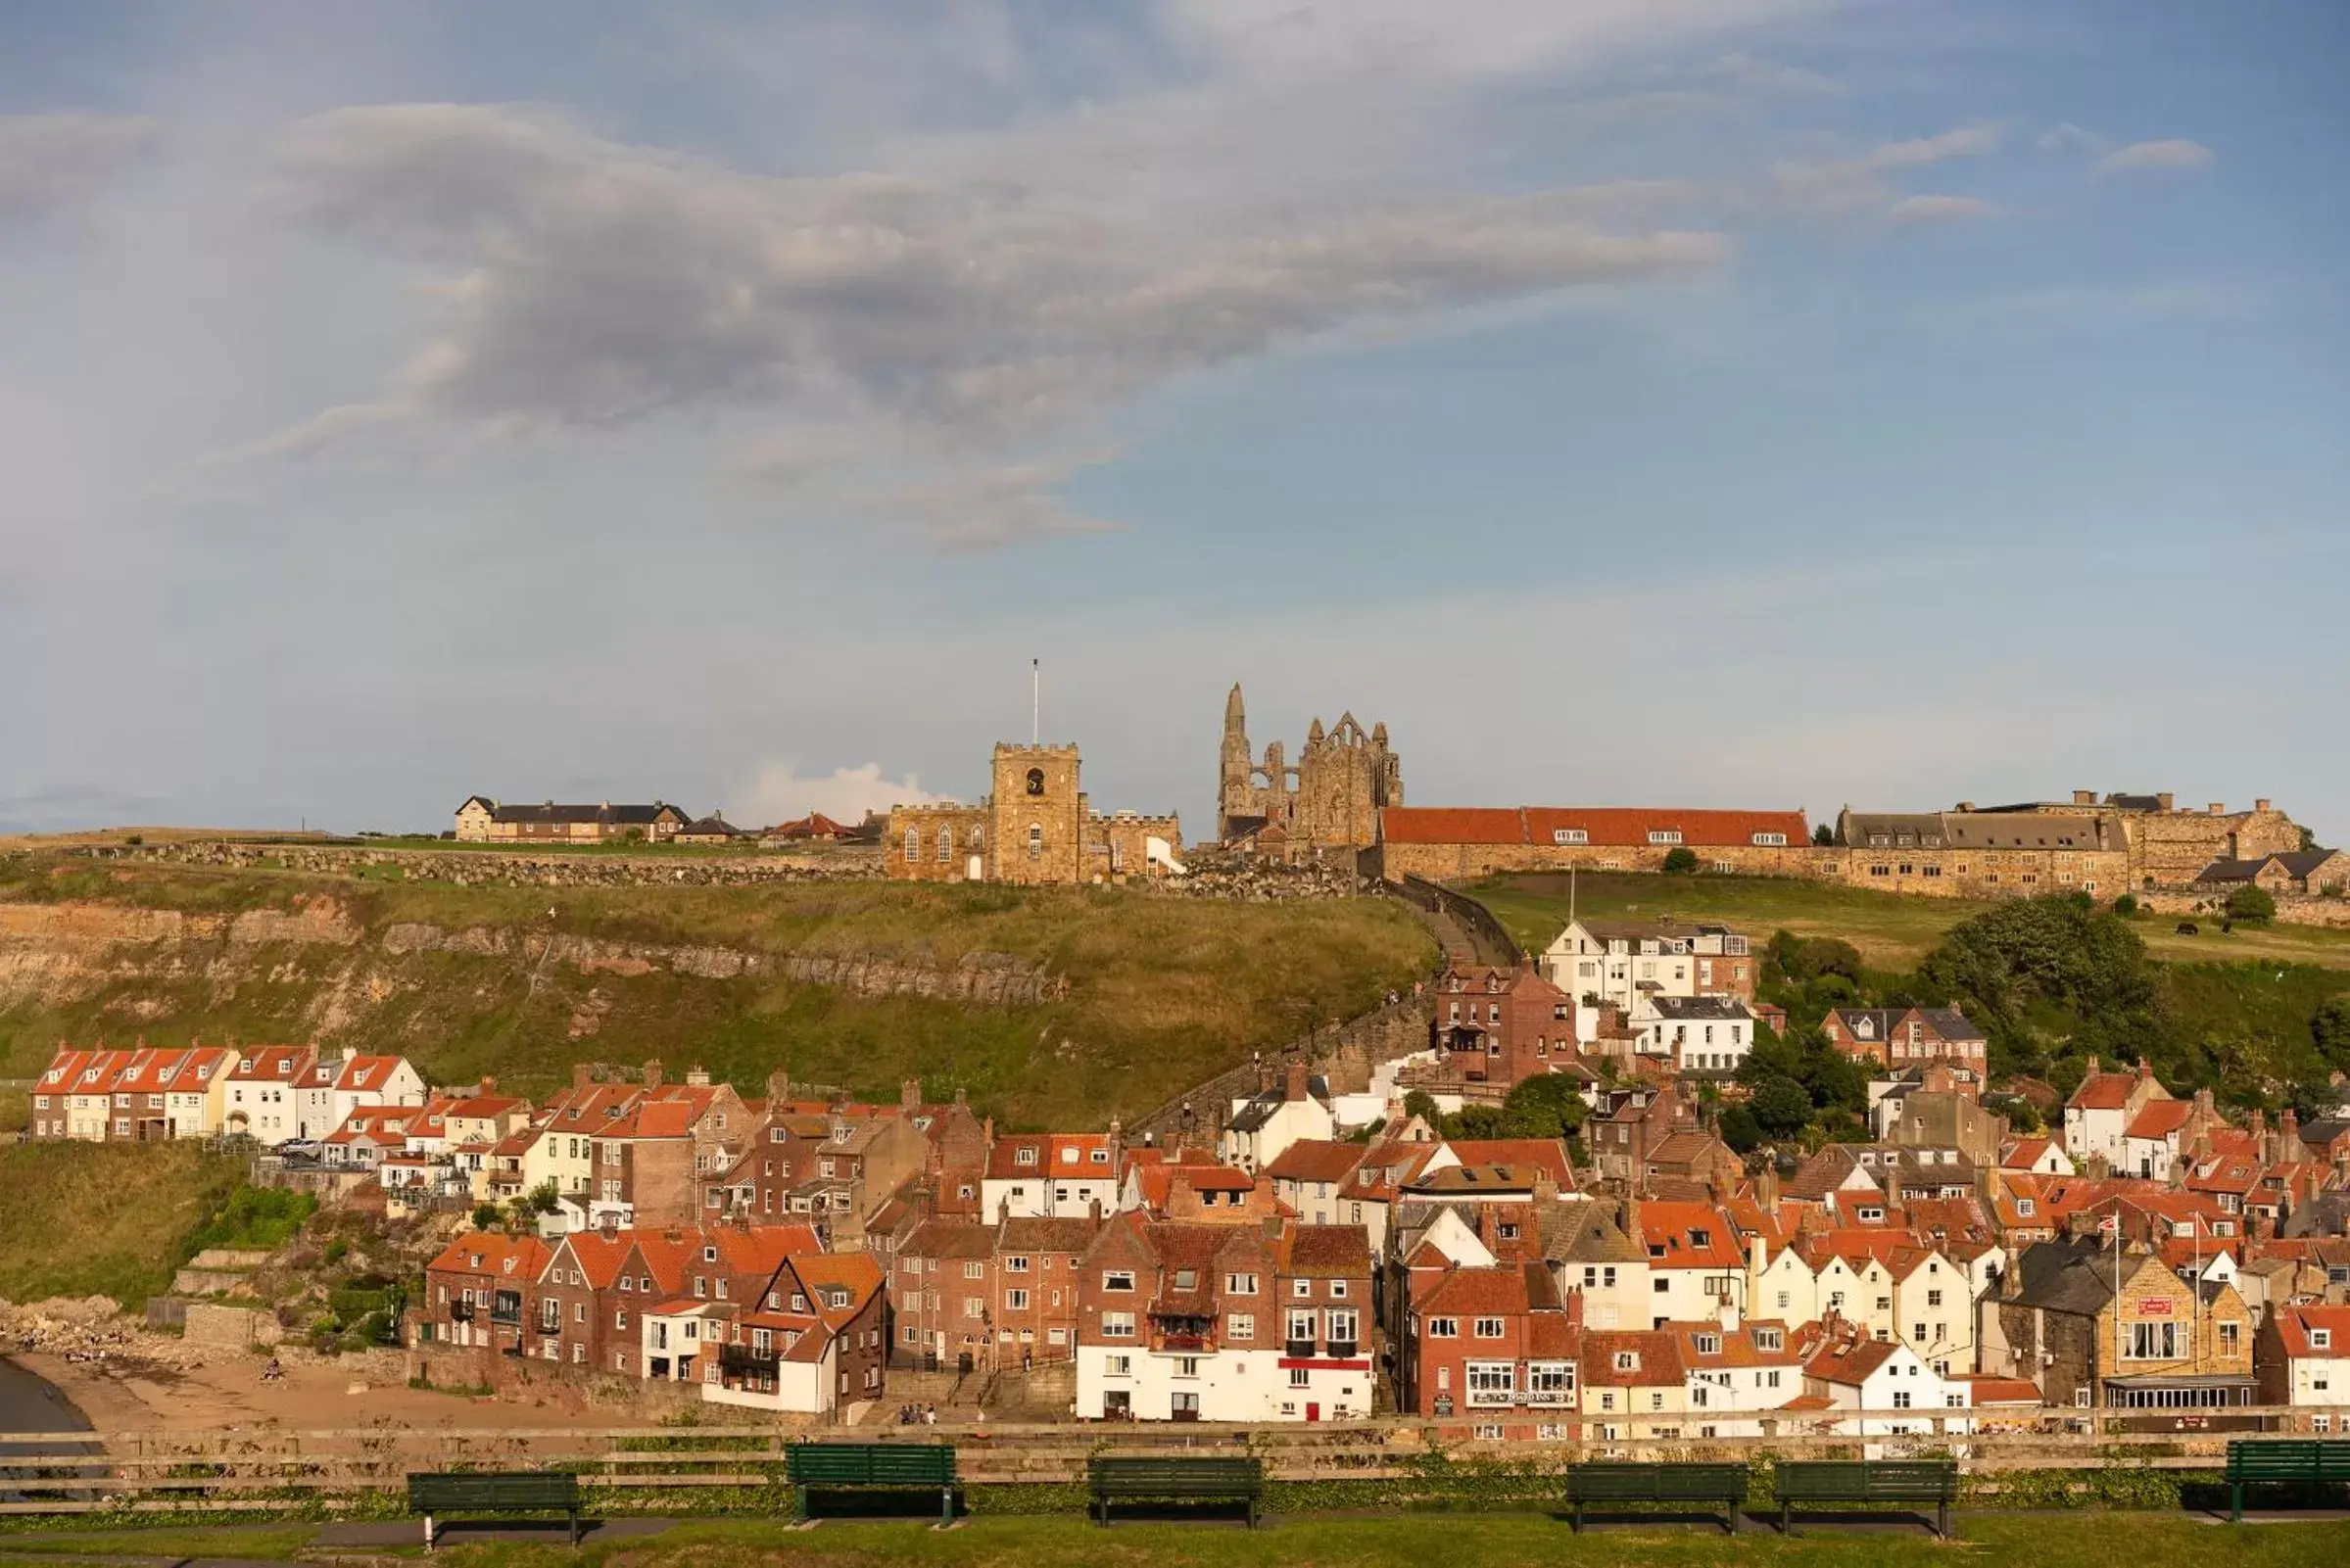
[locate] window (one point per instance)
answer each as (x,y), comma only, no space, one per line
(2154,1342)
(1627,1361)
(1492,1382)
(1338,1286)
(1016,1301)
(2320,1338)
(1489,1328)
(1301,1377)
(974,1269)
(1241,1326)
(1444,1328)
(1550,1382)
(1118,1366)
(1121,1279)
(1241,1284)
(1664,835)
(1035,780)
(913,845)
(1016,1265)
(1570,835)
(1769,840)
(1344,1328)
(946,846)
(1118,1325)
(1036,838)
(1708,1344)
(1900,1398)
(1302,1289)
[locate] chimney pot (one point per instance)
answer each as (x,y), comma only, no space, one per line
(909,1094)
(2260,805)
(652,1073)
(2085,798)
(2219,808)
(2166,801)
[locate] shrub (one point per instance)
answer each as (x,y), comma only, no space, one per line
(1680,861)
(2125,905)
(2253,905)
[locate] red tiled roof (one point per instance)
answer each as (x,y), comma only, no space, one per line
(1539,1154)
(1316,1160)
(2293,1324)
(2159,1119)
(1670,1225)
(506,1256)
(2105,1092)
(1452,824)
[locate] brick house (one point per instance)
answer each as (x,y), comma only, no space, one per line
(1908,1037)
(2168,1343)
(1192,1322)
(570,1323)
(1002,1295)
(1500,1025)
(482,1292)
(1491,1342)
(812,1338)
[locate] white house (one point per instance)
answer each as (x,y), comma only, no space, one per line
(1734,1372)
(2302,1356)
(1695,1033)
(1882,1376)
(2097,1116)
(265,1094)
(1051,1175)
(1265,1123)
(2150,1141)
(335,1087)
(1695,1270)
(1616,963)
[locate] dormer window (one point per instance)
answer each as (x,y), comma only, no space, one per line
(1627,1361)
(1068,1157)
(1708,1344)
(1024,1157)
(709,1254)
(2321,1339)
(1100,1157)
(1769,1338)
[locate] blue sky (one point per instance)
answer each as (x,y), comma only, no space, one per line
(1778,402)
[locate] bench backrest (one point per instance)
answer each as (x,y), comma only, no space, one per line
(2297,1459)
(871,1464)
(1867,1480)
(1618,1481)
(490,1492)
(1135,1471)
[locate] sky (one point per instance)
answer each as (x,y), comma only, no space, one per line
(1757,403)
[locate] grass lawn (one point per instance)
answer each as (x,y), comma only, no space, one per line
(1892,931)
(102,1219)
(269,1541)
(1396,1540)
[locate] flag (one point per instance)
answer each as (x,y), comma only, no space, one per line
(2110,1225)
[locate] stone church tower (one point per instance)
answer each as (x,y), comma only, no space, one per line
(1332,798)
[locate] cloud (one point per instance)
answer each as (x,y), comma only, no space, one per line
(778,793)
(51,163)
(979,508)
(1930,208)
(1855,183)
(2156,155)
(2067,137)
(595,284)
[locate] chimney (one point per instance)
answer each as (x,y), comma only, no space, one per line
(652,1073)
(2085,798)
(2219,808)
(1293,1087)
(2261,805)
(698,1076)
(1766,1187)
(583,1073)
(2166,801)
(1093,1209)
(2145,1068)
(1628,1216)
(1574,1307)
(489,1085)
(909,1094)
(2092,1070)
(779,1090)
(1966,805)
(988,1131)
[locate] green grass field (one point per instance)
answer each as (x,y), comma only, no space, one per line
(1398,1541)
(1891,931)
(102,1219)
(1163,991)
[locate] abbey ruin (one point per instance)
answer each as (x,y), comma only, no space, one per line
(1330,799)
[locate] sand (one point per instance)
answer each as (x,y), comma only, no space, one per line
(225,1393)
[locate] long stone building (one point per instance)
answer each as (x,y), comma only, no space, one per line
(1034,826)
(1330,799)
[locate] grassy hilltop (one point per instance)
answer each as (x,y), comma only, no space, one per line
(1162,991)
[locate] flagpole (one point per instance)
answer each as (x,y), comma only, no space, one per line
(1036,703)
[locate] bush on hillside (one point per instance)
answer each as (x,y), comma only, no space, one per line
(1680,861)
(2251,904)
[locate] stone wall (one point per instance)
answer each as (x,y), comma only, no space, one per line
(2293,909)
(484,868)
(1977,873)
(211,1324)
(1118,845)
(1345,1055)
(2172,847)
(912,851)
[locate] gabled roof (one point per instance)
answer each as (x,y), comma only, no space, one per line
(2159,1119)
(1681,1235)
(2105,1092)
(500,1256)
(1316,1160)
(1655,1352)
(2293,1325)
(1547,1155)
(1850,1361)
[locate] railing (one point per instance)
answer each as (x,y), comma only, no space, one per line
(1341,1349)
(746,1358)
(1182,1342)
(460,1311)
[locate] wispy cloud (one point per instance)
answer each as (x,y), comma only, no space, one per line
(52,163)
(779,792)
(1937,208)
(2160,154)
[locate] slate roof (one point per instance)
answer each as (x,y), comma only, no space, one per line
(2073,1276)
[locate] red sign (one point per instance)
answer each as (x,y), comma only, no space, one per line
(2154,1306)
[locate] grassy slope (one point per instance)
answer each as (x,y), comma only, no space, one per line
(1163,991)
(1891,931)
(1393,1540)
(85,1219)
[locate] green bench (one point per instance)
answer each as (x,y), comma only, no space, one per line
(2295,1461)
(1609,1480)
(1910,1481)
(438,1495)
(874,1467)
(1232,1480)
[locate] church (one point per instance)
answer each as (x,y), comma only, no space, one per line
(1330,799)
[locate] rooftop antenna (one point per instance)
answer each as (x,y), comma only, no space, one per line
(1036,703)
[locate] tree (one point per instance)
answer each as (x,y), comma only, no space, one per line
(1550,1105)
(2033,968)
(2330,1026)
(487,1215)
(2125,905)
(2253,905)
(1780,1106)
(542,1198)
(1824,836)
(1421,1104)
(1680,861)
(1738,1129)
